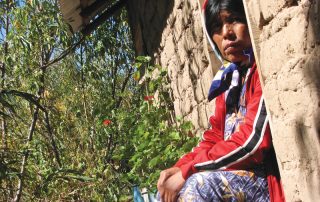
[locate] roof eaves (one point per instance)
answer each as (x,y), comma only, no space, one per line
(78,13)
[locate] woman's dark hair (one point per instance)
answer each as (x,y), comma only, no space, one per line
(213,9)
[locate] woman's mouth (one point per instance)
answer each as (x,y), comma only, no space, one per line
(230,47)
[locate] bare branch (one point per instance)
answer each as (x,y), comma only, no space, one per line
(53,143)
(124,85)
(63,54)
(27,96)
(26,155)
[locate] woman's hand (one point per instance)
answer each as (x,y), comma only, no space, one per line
(169,184)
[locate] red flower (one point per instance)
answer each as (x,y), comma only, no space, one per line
(106,122)
(148,98)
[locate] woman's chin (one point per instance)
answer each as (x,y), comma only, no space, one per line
(237,58)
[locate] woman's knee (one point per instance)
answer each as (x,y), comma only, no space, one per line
(198,186)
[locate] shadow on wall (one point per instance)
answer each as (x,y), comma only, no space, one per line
(148,19)
(312,72)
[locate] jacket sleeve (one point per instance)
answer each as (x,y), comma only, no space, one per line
(186,162)
(243,150)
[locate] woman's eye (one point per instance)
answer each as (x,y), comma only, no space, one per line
(232,20)
(236,20)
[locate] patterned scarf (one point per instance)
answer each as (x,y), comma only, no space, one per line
(228,78)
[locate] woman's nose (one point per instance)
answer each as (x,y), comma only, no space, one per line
(227,30)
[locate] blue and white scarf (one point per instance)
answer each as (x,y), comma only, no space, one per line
(227,77)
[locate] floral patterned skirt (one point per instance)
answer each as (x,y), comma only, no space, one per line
(238,185)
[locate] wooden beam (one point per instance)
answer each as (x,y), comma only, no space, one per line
(94,8)
(70,10)
(103,17)
(255,32)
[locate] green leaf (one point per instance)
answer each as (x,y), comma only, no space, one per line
(143,59)
(81,178)
(174,135)
(153,162)
(136,76)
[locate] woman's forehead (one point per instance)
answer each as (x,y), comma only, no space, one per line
(227,15)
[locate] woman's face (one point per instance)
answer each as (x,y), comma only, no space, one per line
(232,37)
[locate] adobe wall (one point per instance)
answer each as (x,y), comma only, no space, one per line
(288,45)
(171,32)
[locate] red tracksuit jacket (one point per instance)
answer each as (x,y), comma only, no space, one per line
(247,148)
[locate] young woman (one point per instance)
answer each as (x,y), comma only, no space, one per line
(235,160)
